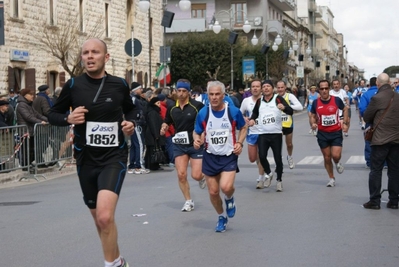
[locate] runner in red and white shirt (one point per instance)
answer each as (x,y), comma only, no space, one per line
(325,118)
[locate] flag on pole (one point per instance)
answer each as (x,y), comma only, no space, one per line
(161,75)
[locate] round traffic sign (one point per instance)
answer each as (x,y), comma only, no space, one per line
(137,47)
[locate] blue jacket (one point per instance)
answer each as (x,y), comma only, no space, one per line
(365,99)
(397,89)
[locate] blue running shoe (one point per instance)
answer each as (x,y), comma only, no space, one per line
(221,225)
(230,207)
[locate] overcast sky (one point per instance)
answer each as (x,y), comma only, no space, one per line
(371,32)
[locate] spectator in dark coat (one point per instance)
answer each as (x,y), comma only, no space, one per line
(8,113)
(153,137)
(382,112)
(3,110)
(42,102)
(26,115)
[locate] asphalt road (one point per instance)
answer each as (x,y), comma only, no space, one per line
(47,224)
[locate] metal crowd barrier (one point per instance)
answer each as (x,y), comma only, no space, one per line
(14,148)
(52,144)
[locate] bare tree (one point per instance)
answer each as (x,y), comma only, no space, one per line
(64,41)
(215,75)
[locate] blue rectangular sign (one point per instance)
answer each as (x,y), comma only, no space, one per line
(19,55)
(248,68)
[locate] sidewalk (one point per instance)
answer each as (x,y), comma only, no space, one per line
(13,177)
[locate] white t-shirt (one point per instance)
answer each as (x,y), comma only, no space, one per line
(341,94)
(246,108)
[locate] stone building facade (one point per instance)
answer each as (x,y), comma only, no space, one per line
(25,62)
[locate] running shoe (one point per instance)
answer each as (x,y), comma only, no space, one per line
(290,162)
(279,186)
(268,180)
(340,168)
(230,207)
(202,183)
(221,224)
(188,206)
(141,171)
(260,184)
(314,132)
(130,171)
(331,183)
(311,131)
(123,263)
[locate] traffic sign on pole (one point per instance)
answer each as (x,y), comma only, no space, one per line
(137,47)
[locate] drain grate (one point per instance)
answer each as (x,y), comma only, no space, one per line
(19,203)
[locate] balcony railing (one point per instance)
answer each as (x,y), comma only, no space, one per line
(187,25)
(285,5)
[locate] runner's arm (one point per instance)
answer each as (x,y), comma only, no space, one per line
(295,104)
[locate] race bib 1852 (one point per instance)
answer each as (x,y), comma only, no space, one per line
(102,134)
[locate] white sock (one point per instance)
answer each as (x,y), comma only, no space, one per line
(115,263)
(228,198)
(260,178)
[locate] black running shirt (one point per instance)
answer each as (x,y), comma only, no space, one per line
(112,106)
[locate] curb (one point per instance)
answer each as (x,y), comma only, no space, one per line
(15,176)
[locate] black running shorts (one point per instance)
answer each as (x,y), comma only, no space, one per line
(95,178)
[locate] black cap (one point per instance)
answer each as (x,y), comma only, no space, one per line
(3,102)
(12,90)
(135,86)
(43,87)
(268,82)
(161,97)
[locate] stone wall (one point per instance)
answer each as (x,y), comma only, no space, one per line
(21,33)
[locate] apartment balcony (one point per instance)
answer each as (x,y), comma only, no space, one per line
(284,5)
(274,27)
(187,25)
(314,30)
(227,22)
(313,8)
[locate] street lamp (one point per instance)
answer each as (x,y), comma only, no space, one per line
(254,40)
(246,28)
(184,5)
(278,40)
(295,46)
(275,46)
(144,6)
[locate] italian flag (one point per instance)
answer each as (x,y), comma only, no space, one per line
(161,75)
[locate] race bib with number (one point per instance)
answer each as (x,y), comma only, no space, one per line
(328,120)
(102,134)
(268,119)
(218,137)
(181,138)
(284,117)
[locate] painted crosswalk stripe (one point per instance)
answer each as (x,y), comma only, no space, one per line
(356,160)
(269,159)
(311,160)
